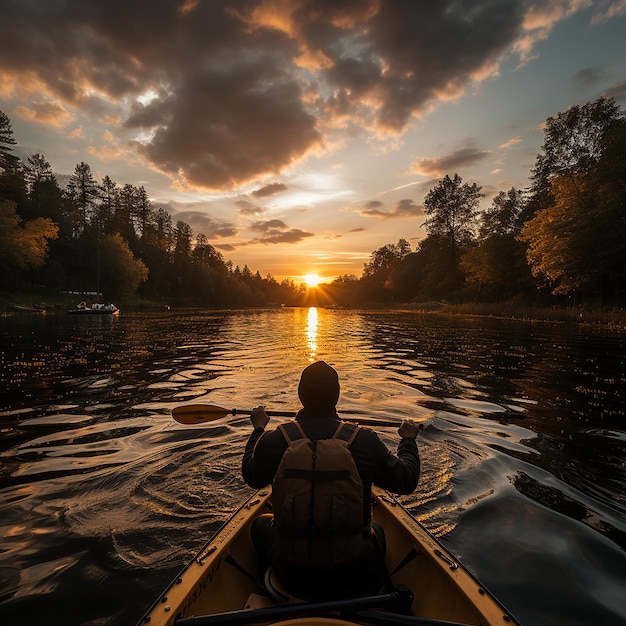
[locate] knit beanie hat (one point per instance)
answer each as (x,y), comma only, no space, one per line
(319,386)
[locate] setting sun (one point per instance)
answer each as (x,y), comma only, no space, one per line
(312,280)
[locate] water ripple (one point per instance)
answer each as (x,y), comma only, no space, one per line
(522,452)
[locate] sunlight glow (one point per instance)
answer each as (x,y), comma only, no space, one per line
(311,332)
(312,280)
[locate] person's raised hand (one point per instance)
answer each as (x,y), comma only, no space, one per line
(259,417)
(409,428)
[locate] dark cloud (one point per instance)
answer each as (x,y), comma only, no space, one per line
(587,78)
(227,126)
(294,235)
(225,247)
(218,94)
(269,190)
(401,209)
(404,55)
(217,104)
(276,231)
(201,223)
(248,209)
(271,226)
(440,166)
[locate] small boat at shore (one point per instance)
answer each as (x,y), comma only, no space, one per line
(426,584)
(95,309)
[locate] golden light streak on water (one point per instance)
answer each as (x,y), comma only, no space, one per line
(311,332)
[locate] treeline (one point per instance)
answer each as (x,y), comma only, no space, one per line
(102,237)
(564,237)
(563,240)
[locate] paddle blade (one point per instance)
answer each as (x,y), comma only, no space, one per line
(198,413)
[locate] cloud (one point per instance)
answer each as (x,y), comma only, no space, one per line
(273,237)
(106,153)
(269,190)
(201,223)
(587,78)
(396,63)
(457,160)
(216,95)
(275,231)
(291,236)
(510,142)
(614,9)
(45,112)
(77,133)
(248,209)
(401,209)
(617,90)
(540,19)
(271,226)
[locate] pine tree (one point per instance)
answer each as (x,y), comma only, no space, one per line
(7,160)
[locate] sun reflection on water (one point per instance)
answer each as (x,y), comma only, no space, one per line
(311,332)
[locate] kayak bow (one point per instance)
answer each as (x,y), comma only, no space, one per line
(221,585)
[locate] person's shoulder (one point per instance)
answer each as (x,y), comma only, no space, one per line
(272,436)
(365,434)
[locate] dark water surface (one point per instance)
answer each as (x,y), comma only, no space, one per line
(103,496)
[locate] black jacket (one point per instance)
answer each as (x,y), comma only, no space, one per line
(375,463)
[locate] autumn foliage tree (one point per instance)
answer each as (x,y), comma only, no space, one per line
(24,245)
(576,242)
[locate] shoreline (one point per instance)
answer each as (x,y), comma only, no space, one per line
(609,318)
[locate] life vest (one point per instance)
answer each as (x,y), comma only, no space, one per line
(318,501)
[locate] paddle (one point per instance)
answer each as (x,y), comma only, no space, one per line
(202,413)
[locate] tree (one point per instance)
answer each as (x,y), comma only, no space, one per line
(573,139)
(433,270)
(143,210)
(384,260)
(577,238)
(502,217)
(451,207)
(24,245)
(496,265)
(44,194)
(109,199)
(7,160)
(163,230)
(573,142)
(578,243)
(205,255)
(83,191)
(121,273)
(126,211)
(378,281)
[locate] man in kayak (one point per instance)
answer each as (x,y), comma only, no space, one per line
(324,559)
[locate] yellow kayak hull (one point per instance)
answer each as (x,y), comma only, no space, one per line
(222,578)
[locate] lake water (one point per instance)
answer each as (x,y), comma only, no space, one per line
(103,497)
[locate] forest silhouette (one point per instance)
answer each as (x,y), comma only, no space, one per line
(562,239)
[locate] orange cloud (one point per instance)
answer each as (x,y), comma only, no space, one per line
(45,112)
(511,142)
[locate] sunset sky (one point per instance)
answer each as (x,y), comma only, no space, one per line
(300,136)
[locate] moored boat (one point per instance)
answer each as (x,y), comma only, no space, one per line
(427,584)
(95,309)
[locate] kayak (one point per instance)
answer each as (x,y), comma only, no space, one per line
(426,584)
